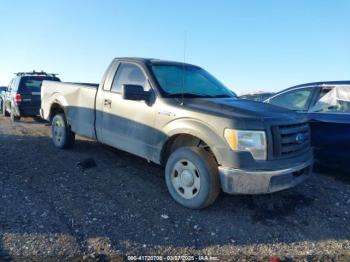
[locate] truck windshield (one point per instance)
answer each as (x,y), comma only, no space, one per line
(188,81)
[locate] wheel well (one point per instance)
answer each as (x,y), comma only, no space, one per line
(182,140)
(55,108)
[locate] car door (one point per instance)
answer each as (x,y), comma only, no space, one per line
(127,124)
(8,95)
(4,95)
(331,136)
(330,133)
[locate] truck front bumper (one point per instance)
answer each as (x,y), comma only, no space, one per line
(237,181)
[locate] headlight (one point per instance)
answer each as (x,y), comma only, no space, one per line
(251,141)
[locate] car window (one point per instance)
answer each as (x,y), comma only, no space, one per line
(324,91)
(128,74)
(10,85)
(334,99)
(295,99)
(33,83)
(340,107)
(15,84)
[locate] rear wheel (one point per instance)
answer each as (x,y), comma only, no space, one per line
(62,136)
(192,177)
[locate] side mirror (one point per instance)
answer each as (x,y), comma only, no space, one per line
(134,92)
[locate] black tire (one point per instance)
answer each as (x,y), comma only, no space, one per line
(62,136)
(206,170)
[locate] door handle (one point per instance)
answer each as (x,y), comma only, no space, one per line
(107,102)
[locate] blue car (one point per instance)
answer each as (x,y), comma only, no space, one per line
(327,105)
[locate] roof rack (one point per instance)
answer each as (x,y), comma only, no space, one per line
(35,73)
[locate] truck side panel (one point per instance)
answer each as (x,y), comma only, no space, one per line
(78,102)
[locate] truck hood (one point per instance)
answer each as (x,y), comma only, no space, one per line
(242,108)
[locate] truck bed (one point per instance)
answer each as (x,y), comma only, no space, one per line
(78,99)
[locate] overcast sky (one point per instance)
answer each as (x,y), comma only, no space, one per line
(248,45)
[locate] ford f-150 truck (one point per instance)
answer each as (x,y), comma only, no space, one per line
(180,116)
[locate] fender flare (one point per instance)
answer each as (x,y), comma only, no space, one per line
(59,99)
(198,129)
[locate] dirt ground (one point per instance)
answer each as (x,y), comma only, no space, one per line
(97,203)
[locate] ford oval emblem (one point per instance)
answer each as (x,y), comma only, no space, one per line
(300,138)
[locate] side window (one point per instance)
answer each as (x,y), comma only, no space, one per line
(332,100)
(324,91)
(128,74)
(10,86)
(15,84)
(294,100)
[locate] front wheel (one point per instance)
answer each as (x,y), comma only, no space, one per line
(192,177)
(62,136)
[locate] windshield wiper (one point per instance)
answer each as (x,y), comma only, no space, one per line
(185,95)
(193,95)
(221,96)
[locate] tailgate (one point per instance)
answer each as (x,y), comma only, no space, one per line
(31,99)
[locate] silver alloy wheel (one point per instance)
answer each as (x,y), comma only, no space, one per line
(58,130)
(185,179)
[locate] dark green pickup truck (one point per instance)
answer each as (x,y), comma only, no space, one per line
(179,116)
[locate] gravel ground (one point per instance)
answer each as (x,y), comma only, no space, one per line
(97,203)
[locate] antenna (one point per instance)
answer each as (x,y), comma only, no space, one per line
(185,45)
(183,68)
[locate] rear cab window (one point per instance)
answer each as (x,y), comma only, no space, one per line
(30,84)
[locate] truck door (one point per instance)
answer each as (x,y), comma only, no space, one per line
(127,124)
